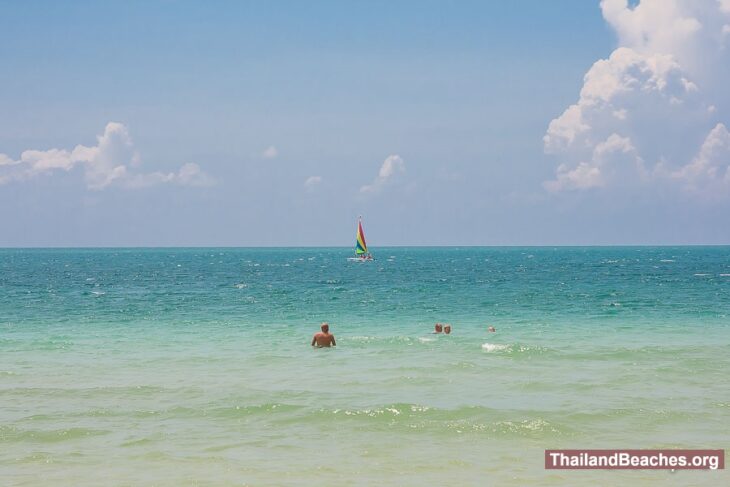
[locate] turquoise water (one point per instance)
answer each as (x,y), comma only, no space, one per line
(193,366)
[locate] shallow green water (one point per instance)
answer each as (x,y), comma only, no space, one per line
(193,366)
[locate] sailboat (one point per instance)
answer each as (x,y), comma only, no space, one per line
(361,248)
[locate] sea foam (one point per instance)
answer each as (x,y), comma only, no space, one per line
(494,347)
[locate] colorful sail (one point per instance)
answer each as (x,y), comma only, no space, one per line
(360,246)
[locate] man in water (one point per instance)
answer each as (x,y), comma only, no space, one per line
(491,329)
(447,328)
(438,328)
(324,338)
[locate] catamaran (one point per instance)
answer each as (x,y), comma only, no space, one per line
(361,248)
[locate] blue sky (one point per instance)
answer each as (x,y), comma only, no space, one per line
(278,123)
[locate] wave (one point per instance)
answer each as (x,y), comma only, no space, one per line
(433,339)
(518,351)
(655,352)
(397,416)
(398,339)
(479,420)
(463,420)
(394,416)
(493,347)
(12,434)
(92,392)
(642,416)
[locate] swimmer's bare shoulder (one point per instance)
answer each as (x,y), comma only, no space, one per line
(324,338)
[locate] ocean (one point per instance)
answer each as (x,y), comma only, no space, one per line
(176,366)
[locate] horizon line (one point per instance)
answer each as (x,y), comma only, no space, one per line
(452,246)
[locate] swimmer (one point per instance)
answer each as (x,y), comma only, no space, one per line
(438,328)
(491,329)
(447,328)
(324,338)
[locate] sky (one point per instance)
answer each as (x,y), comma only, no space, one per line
(175,123)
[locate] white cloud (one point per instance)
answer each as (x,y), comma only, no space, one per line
(710,169)
(613,159)
(6,161)
(664,26)
(389,170)
(108,163)
(658,95)
(189,174)
(614,90)
(270,152)
(312,181)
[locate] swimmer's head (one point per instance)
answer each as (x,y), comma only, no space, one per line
(492,329)
(447,329)
(325,327)
(438,328)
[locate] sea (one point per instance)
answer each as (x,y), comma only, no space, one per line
(193,366)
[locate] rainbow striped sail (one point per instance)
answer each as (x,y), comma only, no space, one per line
(361,248)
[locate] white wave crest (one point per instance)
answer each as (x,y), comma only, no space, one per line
(493,347)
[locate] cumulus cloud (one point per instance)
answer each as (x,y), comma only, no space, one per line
(653,112)
(312,181)
(270,152)
(111,162)
(604,166)
(710,169)
(389,170)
